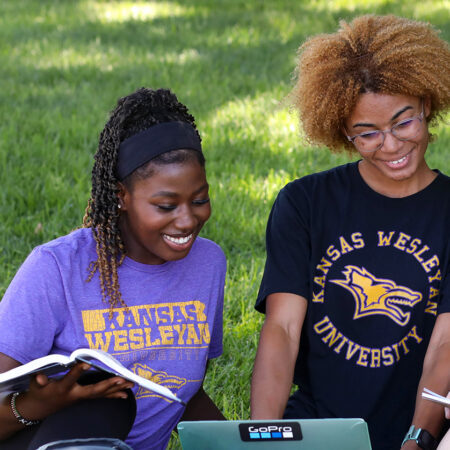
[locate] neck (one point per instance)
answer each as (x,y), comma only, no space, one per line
(389,187)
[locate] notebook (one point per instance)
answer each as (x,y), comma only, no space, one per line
(303,434)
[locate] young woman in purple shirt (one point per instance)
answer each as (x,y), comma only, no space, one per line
(135,280)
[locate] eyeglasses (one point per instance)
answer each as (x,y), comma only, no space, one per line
(371,141)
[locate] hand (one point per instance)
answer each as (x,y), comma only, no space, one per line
(410,445)
(46,396)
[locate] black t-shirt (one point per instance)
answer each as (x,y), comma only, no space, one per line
(375,273)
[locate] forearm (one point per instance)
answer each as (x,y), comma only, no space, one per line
(435,376)
(9,424)
(430,415)
(45,397)
(201,407)
(272,373)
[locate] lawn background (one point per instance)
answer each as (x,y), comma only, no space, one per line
(63,64)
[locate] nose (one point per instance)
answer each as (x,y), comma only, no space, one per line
(186,219)
(391,144)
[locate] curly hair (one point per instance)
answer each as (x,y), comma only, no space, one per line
(377,54)
(134,113)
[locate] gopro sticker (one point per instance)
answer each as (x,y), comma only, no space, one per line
(270,431)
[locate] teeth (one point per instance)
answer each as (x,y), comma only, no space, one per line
(180,240)
(398,160)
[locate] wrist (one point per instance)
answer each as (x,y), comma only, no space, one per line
(23,420)
(410,445)
(422,439)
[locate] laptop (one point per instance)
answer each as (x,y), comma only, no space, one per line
(302,434)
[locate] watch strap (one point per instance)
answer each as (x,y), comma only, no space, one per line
(424,439)
(427,440)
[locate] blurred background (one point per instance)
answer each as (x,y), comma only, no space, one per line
(64,64)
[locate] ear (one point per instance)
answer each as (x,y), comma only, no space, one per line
(122,196)
(427,106)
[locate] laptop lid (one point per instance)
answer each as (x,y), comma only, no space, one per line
(302,434)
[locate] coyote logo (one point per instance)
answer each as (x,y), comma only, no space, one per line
(170,381)
(377,295)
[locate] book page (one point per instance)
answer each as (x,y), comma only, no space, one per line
(430,395)
(35,365)
(18,379)
(108,360)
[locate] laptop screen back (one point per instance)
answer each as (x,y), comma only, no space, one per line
(303,434)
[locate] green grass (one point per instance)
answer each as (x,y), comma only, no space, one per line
(63,64)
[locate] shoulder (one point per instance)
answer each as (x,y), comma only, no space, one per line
(68,247)
(76,239)
(203,245)
(207,250)
(443,181)
(317,188)
(43,272)
(205,262)
(437,194)
(337,176)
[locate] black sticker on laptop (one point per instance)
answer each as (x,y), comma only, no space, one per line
(270,431)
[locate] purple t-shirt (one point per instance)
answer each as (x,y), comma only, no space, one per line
(173,328)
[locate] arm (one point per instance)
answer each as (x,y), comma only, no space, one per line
(435,376)
(8,423)
(277,352)
(201,407)
(45,396)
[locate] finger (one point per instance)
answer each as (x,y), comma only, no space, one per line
(447,413)
(72,376)
(106,387)
(42,379)
(122,387)
(119,395)
(117,383)
(38,381)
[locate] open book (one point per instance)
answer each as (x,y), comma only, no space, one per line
(18,379)
(430,395)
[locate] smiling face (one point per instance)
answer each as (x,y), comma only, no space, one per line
(397,168)
(163,213)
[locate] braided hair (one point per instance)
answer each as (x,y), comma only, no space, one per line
(134,113)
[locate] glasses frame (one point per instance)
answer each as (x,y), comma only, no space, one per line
(384,132)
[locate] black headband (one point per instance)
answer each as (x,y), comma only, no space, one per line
(161,138)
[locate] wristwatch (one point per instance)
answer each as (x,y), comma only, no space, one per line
(422,437)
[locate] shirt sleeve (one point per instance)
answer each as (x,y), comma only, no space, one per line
(29,310)
(288,246)
(216,344)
